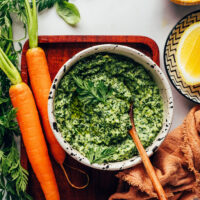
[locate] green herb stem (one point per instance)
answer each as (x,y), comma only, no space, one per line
(10,36)
(32,23)
(9,69)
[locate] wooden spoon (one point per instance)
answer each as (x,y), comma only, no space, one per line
(149,168)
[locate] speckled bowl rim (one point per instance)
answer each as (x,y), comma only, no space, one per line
(138,57)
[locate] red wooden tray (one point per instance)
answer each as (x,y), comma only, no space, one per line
(58,50)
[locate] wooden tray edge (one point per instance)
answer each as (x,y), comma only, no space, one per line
(84,39)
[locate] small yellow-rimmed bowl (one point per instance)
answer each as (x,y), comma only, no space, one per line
(186,2)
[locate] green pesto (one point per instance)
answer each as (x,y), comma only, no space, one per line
(92,104)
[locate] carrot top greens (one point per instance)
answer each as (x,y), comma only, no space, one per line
(13,177)
(9,69)
(32,23)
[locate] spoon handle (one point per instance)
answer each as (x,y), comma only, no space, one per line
(149,168)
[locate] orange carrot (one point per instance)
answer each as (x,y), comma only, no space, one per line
(33,138)
(31,130)
(41,84)
(40,79)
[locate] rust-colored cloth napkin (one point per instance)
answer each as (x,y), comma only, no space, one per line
(177,165)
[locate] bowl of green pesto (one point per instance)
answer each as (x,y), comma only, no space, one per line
(89,104)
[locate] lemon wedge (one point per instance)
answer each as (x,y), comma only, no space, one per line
(188,54)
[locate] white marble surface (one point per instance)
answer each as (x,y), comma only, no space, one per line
(151,18)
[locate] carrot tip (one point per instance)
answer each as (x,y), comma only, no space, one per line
(69,181)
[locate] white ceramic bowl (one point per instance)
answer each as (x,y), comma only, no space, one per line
(159,78)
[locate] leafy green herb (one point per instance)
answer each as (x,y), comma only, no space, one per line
(68,12)
(100,155)
(13,6)
(3,100)
(13,177)
(6,120)
(43,4)
(88,93)
(6,35)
